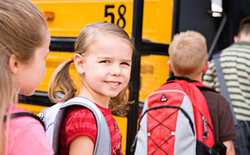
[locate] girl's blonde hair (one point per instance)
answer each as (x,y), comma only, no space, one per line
(22,27)
(188,53)
(61,78)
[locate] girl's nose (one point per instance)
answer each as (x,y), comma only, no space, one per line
(116,70)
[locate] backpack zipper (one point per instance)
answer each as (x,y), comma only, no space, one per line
(205,133)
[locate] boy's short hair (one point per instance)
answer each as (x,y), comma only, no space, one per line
(188,53)
(244,27)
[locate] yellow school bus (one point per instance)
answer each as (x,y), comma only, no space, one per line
(65,20)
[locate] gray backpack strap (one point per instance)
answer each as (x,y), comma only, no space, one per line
(222,83)
(52,122)
(56,133)
(103,140)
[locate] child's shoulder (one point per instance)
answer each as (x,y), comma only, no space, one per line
(78,114)
(19,126)
(22,120)
(77,110)
(215,98)
(28,134)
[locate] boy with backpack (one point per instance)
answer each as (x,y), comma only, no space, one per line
(228,73)
(184,116)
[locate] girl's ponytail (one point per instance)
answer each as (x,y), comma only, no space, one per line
(61,82)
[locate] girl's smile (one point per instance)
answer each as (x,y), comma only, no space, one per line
(113,83)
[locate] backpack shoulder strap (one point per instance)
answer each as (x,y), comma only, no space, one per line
(222,82)
(219,73)
(49,117)
(21,114)
(206,88)
(103,140)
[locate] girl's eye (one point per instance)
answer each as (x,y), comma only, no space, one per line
(104,61)
(125,63)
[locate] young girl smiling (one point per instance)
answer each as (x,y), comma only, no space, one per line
(103,60)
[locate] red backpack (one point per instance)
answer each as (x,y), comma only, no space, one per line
(175,120)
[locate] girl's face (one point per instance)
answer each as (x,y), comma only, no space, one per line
(31,74)
(106,67)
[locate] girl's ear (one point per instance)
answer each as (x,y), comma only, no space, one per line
(14,64)
(78,60)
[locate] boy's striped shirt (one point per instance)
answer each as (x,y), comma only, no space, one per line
(235,64)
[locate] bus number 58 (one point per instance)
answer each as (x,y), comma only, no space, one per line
(121,11)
